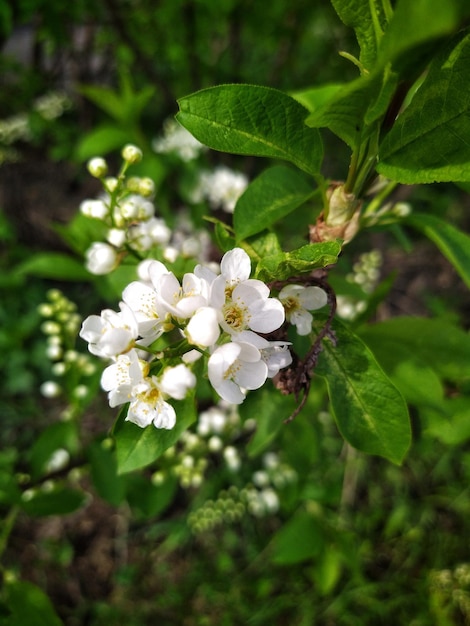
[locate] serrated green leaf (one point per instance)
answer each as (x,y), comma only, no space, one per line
(370,412)
(452,242)
(428,142)
(437,343)
(137,447)
(252,120)
(273,195)
(29,605)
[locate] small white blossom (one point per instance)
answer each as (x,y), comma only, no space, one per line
(298,300)
(235,366)
(110,333)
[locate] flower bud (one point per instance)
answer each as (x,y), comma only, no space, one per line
(131,154)
(146,187)
(101,258)
(97,167)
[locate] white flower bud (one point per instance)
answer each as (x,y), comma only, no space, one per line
(111,184)
(131,154)
(97,167)
(116,237)
(146,187)
(101,258)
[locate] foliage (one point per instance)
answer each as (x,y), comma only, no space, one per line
(291,450)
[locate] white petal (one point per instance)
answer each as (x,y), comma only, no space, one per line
(203,328)
(235,265)
(270,316)
(302,320)
(165,416)
(252,375)
(312,298)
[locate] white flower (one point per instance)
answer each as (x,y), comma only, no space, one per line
(101,258)
(298,300)
(250,308)
(233,366)
(181,301)
(150,315)
(126,380)
(110,333)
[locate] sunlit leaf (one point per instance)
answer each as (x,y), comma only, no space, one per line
(273,195)
(137,447)
(252,120)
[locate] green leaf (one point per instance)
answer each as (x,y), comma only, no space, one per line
(273,195)
(428,142)
(252,120)
(138,447)
(60,500)
(452,242)
(280,266)
(438,343)
(106,481)
(29,605)
(370,412)
(300,539)
(101,141)
(269,409)
(53,265)
(417,22)
(60,435)
(355,105)
(314,98)
(368,20)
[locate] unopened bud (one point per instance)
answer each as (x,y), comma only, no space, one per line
(131,154)
(97,167)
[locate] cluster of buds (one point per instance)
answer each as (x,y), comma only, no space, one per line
(68,366)
(258,498)
(222,317)
(127,210)
(221,187)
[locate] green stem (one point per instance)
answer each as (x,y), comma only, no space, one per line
(379,198)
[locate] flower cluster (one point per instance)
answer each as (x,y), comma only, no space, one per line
(128,213)
(221,187)
(177,140)
(218,315)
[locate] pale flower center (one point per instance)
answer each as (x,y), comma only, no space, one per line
(236,316)
(291,304)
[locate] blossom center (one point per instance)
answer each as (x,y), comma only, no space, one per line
(236,316)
